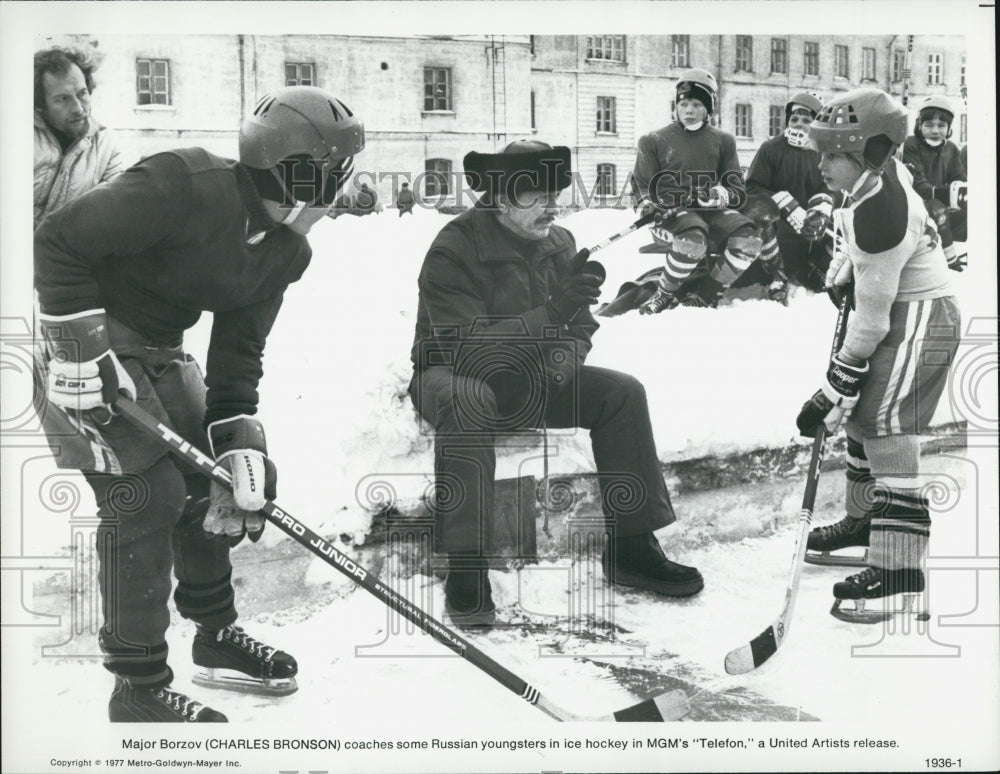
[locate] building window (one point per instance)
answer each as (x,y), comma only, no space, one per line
(152,81)
(898,65)
(606,115)
(300,74)
(935,70)
(609,47)
(680,50)
(962,75)
(963,128)
(531,44)
(868,64)
(775,120)
(811,58)
(779,55)
(841,58)
(744,116)
(744,54)
(436,180)
(533,126)
(437,88)
(605,183)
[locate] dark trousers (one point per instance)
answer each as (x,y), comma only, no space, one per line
(467,415)
(151,519)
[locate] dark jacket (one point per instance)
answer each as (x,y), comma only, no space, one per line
(165,241)
(482,285)
(933,169)
(777,166)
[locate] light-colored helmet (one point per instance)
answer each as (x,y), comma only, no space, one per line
(805,99)
(299,121)
(699,82)
(938,102)
(849,122)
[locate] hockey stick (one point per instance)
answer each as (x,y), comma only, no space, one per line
(665,707)
(748,657)
(578,260)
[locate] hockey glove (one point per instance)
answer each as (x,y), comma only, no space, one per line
(838,394)
(238,444)
(818,217)
(662,216)
(790,210)
(573,292)
(955,195)
(715,198)
(84,373)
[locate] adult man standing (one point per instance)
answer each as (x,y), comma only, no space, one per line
(73,153)
(503,329)
(121,273)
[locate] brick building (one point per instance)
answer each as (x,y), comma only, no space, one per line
(428,100)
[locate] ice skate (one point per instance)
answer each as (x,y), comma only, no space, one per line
(468,596)
(140,704)
(846,533)
(233,660)
(899,590)
(638,561)
(660,301)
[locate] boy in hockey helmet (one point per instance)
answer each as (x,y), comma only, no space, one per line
(786,169)
(939,174)
(901,339)
(120,274)
(689,172)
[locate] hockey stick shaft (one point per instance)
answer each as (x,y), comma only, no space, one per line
(751,655)
(578,260)
(310,540)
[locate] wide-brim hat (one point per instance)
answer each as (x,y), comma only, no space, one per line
(522,166)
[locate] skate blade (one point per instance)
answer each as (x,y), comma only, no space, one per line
(231,680)
(826,559)
(858,614)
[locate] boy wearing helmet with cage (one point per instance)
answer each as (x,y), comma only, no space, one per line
(688,173)
(939,174)
(786,169)
(120,274)
(900,341)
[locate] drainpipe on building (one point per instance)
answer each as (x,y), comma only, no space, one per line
(241,43)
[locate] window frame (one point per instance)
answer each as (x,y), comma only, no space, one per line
(810,51)
(605,186)
(602,117)
(438,178)
(680,50)
(611,48)
(841,61)
(297,80)
(152,77)
(744,54)
(775,120)
(935,68)
(869,64)
(779,48)
(434,85)
(897,67)
(747,109)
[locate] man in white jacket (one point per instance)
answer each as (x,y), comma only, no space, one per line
(73,153)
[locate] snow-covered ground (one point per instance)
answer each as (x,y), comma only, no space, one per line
(719,381)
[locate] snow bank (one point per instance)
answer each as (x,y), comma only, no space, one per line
(344,433)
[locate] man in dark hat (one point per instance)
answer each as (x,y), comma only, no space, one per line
(503,329)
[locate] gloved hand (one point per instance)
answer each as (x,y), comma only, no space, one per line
(838,394)
(238,444)
(955,194)
(662,216)
(573,292)
(790,210)
(84,373)
(818,217)
(957,262)
(716,198)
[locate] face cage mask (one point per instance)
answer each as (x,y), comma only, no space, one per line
(797,138)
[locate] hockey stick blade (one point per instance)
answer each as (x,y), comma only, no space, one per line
(666,707)
(757,651)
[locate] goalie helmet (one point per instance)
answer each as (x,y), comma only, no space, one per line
(700,85)
(866,123)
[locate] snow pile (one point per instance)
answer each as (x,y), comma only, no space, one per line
(343,431)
